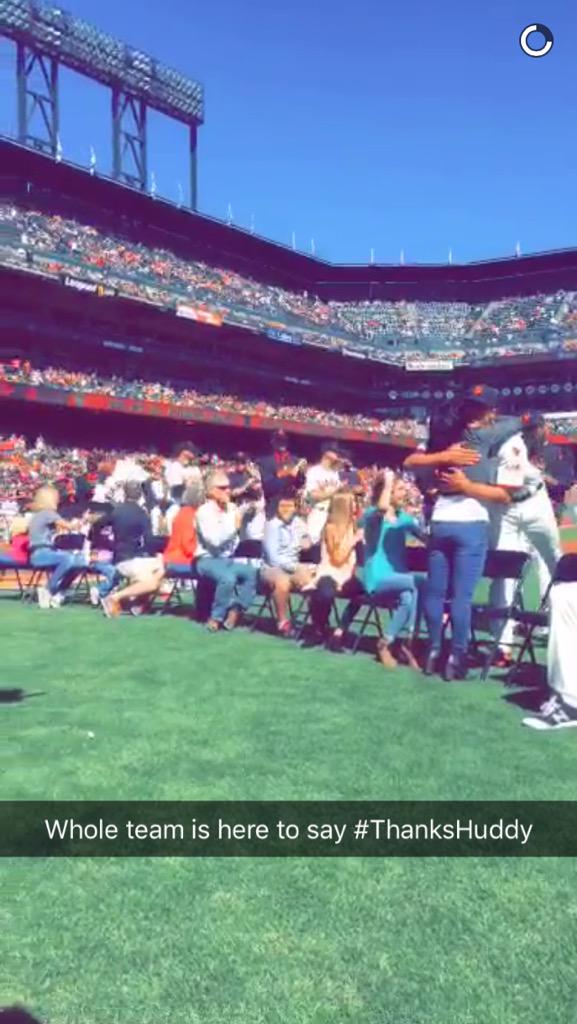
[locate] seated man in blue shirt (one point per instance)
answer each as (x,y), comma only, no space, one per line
(285,537)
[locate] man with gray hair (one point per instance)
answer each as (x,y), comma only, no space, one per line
(218,525)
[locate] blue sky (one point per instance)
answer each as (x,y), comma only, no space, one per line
(412,125)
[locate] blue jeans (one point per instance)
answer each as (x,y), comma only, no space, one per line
(110,573)
(457,553)
(66,566)
(404,586)
(177,569)
(235,584)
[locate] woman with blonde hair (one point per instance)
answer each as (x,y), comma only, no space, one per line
(336,571)
(43,527)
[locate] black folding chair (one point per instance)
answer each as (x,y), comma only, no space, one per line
(74,542)
(500,565)
(566,572)
(376,604)
(11,568)
(300,606)
(176,576)
(35,578)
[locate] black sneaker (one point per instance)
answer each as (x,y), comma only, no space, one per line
(553,714)
(314,639)
(456,668)
(431,666)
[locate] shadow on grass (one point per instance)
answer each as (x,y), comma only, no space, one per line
(16,1015)
(528,688)
(16,696)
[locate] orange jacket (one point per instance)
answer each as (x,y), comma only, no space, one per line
(181,547)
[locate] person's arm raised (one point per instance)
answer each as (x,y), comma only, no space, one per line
(384,502)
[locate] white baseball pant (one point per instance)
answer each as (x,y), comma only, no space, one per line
(528,526)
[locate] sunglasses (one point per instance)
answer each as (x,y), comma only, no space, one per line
(222,487)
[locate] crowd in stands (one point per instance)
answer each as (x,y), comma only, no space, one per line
(83,474)
(565,425)
(212,396)
(393,331)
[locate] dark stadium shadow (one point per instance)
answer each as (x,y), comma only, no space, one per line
(17,696)
(176,611)
(528,687)
(528,700)
(16,1015)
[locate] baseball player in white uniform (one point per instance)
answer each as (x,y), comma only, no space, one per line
(560,711)
(527,524)
(322,481)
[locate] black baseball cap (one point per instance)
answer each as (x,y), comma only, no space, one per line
(279,439)
(533,419)
(483,394)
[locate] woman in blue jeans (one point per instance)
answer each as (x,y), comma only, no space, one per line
(459,537)
(42,529)
(386,527)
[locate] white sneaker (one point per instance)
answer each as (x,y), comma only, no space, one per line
(44,598)
(57,600)
(94,595)
(554,714)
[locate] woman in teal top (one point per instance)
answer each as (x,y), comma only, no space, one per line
(385,573)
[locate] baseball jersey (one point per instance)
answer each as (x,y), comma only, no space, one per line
(514,468)
(319,479)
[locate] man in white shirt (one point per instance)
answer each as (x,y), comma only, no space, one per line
(322,481)
(218,524)
(181,470)
(527,524)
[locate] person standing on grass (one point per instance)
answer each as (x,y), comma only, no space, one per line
(560,710)
(218,525)
(385,574)
(528,524)
(133,552)
(463,436)
(285,538)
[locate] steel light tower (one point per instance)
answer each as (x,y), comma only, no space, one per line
(48,37)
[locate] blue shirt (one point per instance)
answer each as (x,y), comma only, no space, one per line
(283,543)
(385,542)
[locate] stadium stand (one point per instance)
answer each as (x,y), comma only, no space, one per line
(217,399)
(56,245)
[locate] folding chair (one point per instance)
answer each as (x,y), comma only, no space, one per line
(8,566)
(175,577)
(373,603)
(35,578)
(300,607)
(566,572)
(74,542)
(500,565)
(264,592)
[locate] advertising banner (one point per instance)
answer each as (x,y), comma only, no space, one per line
(429,364)
(80,285)
(284,336)
(203,316)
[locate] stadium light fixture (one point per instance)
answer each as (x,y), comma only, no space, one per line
(84,48)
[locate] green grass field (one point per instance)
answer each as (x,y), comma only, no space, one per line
(177,714)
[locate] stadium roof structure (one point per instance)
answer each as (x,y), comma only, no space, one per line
(47,37)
